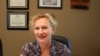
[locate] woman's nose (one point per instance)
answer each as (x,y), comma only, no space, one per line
(40,31)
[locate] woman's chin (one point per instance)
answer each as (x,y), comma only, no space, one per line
(42,41)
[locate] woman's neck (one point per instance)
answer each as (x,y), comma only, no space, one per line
(45,46)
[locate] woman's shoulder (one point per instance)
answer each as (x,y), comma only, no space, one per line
(59,44)
(29,44)
(30,48)
(62,49)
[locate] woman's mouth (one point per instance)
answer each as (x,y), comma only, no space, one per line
(41,37)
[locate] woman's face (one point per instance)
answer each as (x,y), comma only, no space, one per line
(43,30)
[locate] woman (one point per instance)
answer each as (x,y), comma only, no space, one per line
(44,26)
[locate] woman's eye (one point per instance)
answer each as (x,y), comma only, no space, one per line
(36,28)
(44,27)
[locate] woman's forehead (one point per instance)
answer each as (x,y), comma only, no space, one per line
(41,21)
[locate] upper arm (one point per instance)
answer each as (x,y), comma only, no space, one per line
(25,50)
(66,51)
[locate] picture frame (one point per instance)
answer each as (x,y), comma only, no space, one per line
(17,4)
(17,20)
(80,4)
(53,4)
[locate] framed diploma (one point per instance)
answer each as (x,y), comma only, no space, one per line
(17,4)
(17,20)
(56,4)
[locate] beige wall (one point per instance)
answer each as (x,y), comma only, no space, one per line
(82,27)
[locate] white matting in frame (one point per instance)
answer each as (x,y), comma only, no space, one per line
(50,4)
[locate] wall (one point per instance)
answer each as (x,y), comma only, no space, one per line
(82,27)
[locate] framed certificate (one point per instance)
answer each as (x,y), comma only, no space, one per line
(57,4)
(17,20)
(80,4)
(17,4)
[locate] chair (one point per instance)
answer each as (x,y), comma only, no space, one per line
(63,40)
(1,50)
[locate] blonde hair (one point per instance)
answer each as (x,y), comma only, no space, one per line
(48,16)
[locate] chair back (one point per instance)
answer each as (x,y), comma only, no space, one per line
(1,50)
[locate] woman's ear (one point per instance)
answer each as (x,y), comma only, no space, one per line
(53,30)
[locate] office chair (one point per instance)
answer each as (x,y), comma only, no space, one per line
(63,40)
(1,50)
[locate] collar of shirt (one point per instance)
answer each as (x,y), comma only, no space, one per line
(53,50)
